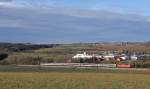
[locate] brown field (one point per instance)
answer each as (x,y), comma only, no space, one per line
(55,80)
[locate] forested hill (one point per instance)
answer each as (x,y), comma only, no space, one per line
(15,47)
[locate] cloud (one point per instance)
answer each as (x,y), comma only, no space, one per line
(5,0)
(11,23)
(55,24)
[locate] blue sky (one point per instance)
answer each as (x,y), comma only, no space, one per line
(66,21)
(124,6)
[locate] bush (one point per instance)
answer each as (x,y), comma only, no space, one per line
(146,65)
(3,56)
(141,64)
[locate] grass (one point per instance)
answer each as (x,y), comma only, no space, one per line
(55,80)
(23,77)
(15,68)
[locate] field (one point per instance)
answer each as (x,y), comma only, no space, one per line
(54,80)
(67,78)
(13,76)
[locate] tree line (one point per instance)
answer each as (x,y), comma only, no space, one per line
(16,47)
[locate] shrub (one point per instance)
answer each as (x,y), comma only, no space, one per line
(3,56)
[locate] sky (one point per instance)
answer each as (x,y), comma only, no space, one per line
(70,21)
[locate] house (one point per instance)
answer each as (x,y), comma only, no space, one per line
(84,56)
(134,58)
(109,57)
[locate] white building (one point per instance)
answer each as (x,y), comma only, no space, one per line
(109,56)
(134,58)
(124,57)
(84,56)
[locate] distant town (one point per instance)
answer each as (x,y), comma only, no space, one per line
(128,54)
(107,56)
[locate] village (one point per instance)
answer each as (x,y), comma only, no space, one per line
(107,59)
(108,56)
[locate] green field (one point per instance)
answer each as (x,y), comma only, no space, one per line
(18,77)
(55,80)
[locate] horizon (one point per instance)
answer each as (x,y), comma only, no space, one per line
(100,42)
(79,21)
